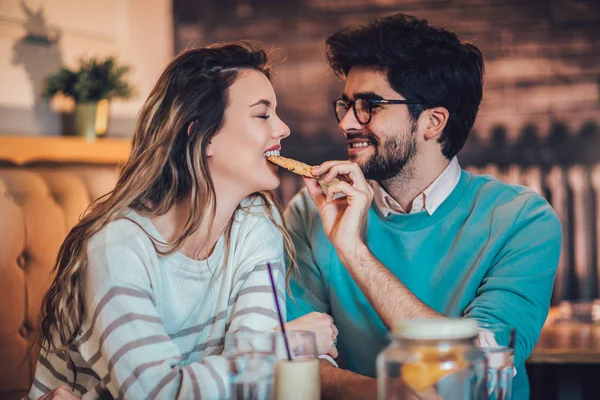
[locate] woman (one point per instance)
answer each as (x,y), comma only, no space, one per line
(154,276)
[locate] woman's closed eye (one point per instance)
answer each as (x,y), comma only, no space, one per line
(265,116)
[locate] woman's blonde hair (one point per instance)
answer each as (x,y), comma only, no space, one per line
(167,164)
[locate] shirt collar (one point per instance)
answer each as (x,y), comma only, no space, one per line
(430,199)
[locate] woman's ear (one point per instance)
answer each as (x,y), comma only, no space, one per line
(209,150)
(190,128)
(438,118)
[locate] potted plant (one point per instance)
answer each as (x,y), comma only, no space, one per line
(92,87)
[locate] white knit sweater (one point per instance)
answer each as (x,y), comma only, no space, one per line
(154,325)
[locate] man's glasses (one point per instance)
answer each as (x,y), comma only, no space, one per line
(363,108)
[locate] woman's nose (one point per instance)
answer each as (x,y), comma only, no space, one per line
(282,130)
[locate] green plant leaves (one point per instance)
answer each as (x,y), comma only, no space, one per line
(95,80)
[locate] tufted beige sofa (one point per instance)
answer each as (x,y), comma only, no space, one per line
(38,206)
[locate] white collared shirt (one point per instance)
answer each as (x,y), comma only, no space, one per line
(430,199)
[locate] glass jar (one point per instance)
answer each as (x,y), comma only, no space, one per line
(433,358)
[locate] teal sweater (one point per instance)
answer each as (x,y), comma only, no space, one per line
(489,252)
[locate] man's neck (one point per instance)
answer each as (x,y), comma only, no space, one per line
(416,176)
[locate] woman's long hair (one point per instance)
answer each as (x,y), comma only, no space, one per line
(167,164)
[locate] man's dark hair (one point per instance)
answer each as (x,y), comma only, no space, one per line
(422,63)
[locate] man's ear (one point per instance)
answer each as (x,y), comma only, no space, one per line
(437,118)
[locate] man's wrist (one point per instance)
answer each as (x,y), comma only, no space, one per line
(328,387)
(341,384)
(354,255)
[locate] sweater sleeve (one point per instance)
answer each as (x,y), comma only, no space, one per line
(307,284)
(253,302)
(123,337)
(516,290)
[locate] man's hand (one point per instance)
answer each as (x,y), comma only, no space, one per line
(343,218)
(343,222)
(60,393)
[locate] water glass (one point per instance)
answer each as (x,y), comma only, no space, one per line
(251,357)
(498,345)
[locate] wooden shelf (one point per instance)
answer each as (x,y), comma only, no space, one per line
(28,149)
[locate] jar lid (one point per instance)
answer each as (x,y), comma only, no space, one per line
(435,329)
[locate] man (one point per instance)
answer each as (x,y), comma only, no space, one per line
(419,237)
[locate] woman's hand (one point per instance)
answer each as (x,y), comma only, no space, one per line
(322,326)
(60,393)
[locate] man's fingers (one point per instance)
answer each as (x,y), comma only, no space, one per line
(347,189)
(349,172)
(315,191)
(323,168)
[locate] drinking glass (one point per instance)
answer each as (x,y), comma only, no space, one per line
(251,357)
(298,379)
(498,345)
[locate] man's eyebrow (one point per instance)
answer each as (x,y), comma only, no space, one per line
(363,95)
(367,96)
(263,102)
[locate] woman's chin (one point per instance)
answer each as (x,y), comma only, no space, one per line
(271,179)
(272,183)
(265,183)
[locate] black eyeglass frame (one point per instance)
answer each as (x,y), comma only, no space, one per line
(370,104)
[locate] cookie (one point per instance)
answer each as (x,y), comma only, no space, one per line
(294,166)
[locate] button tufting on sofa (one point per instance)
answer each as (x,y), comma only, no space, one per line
(38,206)
(22,260)
(24,331)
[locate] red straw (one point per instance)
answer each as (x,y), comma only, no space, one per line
(287,346)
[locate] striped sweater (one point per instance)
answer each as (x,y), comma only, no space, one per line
(155,325)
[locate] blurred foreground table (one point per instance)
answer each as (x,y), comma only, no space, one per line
(565,363)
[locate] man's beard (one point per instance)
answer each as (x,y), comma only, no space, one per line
(391,158)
